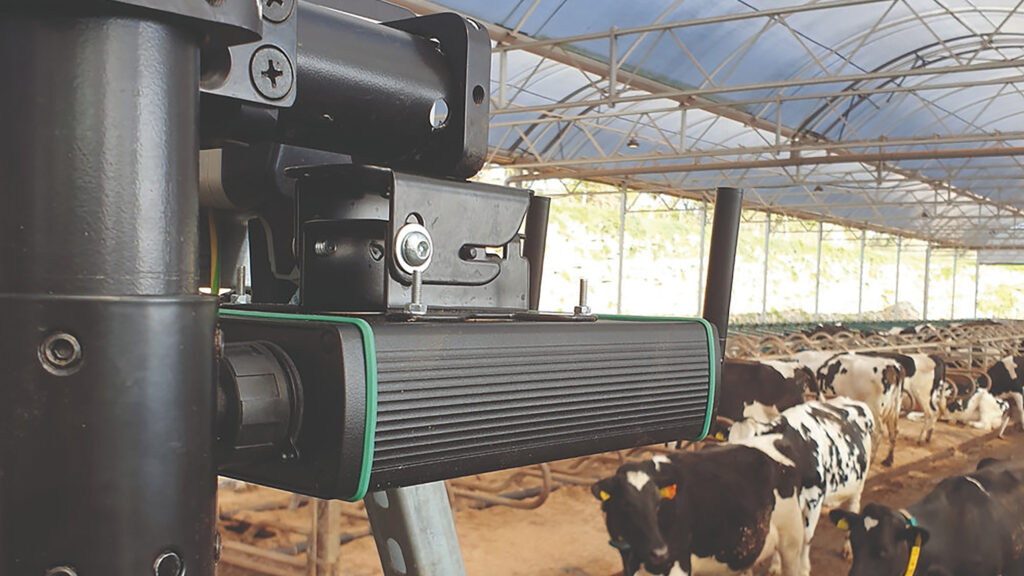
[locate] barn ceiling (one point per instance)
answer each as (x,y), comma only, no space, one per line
(904,116)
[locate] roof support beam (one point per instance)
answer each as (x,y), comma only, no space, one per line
(773,85)
(768,13)
(884,147)
(894,156)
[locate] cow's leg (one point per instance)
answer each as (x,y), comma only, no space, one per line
(790,525)
(1002,425)
(928,415)
(1018,401)
(892,427)
(931,416)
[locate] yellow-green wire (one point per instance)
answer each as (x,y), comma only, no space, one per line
(214,256)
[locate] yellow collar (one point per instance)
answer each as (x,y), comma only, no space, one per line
(915,550)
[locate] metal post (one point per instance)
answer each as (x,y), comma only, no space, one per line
(414,531)
(107,396)
(927,270)
(682,130)
(502,78)
(764,274)
(817,273)
(535,244)
(622,249)
(896,296)
(977,280)
(860,286)
(323,555)
(725,230)
(700,256)
(613,67)
(952,305)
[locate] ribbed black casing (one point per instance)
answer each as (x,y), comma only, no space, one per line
(463,398)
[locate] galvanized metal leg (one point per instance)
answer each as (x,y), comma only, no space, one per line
(622,247)
(860,281)
(415,531)
(817,274)
(927,273)
(977,281)
(764,279)
(896,296)
(700,262)
(952,305)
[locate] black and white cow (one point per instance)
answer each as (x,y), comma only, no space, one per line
(723,509)
(759,390)
(980,410)
(971,525)
(830,442)
(728,508)
(814,359)
(925,380)
(878,382)
(1007,378)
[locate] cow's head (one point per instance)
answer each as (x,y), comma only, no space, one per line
(805,378)
(892,375)
(827,375)
(751,427)
(640,506)
(882,540)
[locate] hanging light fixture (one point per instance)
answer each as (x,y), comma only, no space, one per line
(633,143)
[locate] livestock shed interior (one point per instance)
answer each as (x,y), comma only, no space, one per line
(876,310)
(878,145)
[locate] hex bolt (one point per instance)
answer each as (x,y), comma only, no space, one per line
(324,248)
(61,571)
(416,248)
(277,10)
(582,309)
(168,564)
(271,73)
(416,307)
(60,353)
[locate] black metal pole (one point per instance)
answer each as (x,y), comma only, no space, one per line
(106,393)
(725,232)
(536,240)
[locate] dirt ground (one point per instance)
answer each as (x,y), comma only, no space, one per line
(566,535)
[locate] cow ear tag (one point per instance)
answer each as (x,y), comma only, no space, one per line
(604,495)
(843,524)
(720,436)
(668,492)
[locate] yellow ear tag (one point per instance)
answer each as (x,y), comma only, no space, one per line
(604,495)
(843,524)
(719,436)
(668,492)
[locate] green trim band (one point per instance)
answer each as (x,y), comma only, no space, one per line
(712,360)
(369,351)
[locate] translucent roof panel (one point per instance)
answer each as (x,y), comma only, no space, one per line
(826,108)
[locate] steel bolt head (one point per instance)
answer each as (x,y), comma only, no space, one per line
(60,353)
(416,308)
(277,10)
(416,248)
(271,73)
(324,248)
